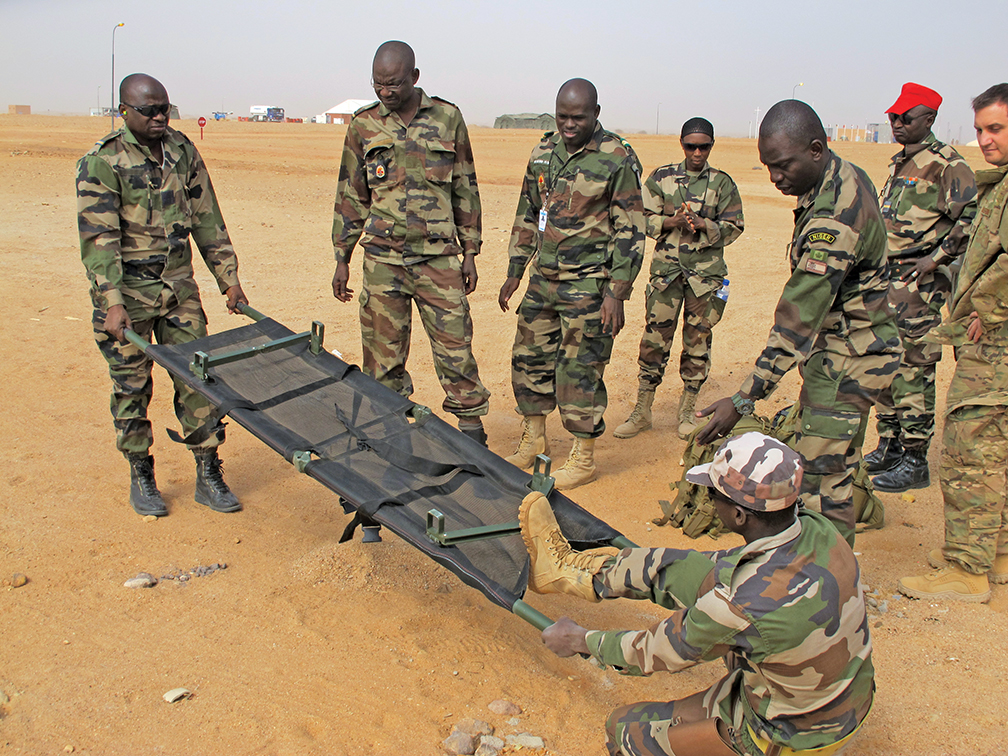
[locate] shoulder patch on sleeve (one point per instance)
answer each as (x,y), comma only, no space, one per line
(822,236)
(816,262)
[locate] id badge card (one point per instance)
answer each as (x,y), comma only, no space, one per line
(542,218)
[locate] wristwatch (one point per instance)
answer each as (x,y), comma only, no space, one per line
(743,406)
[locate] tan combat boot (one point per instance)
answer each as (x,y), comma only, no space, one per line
(640,419)
(687,410)
(533,441)
(951,582)
(579,467)
(999,574)
(555,567)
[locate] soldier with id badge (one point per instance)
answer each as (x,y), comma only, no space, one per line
(833,319)
(693,211)
(579,227)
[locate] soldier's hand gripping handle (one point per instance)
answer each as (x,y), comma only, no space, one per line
(565,638)
(235,297)
(117,320)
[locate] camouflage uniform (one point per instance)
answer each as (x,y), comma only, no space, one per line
(592,245)
(135,218)
(974,459)
(834,319)
(800,672)
(928,204)
(687,267)
(408,194)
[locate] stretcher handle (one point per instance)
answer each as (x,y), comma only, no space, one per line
(141,343)
(534,617)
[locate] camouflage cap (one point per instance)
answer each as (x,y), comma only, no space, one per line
(753,470)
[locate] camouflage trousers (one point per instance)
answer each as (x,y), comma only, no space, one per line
(665,300)
(641,729)
(974,461)
(836,395)
(386,315)
(560,353)
(133,382)
(906,408)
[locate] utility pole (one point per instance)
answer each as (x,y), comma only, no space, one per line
(113,71)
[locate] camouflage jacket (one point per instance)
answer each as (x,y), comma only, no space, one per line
(407,192)
(594,213)
(835,300)
(928,203)
(697,256)
(135,218)
(788,609)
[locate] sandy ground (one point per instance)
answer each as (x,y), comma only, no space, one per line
(303,646)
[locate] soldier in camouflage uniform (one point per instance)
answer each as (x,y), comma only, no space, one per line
(142,191)
(785,611)
(928,204)
(833,318)
(407,192)
(974,460)
(693,211)
(580,223)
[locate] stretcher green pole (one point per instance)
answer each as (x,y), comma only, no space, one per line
(534,617)
(140,343)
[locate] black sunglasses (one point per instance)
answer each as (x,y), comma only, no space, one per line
(695,147)
(906,118)
(149,111)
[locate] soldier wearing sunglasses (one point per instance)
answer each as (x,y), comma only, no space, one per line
(693,211)
(142,192)
(928,205)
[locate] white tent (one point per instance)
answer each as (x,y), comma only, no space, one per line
(974,143)
(342,113)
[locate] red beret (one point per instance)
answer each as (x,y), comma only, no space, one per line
(913,95)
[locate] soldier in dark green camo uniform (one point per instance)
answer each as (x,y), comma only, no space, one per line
(142,191)
(785,612)
(580,224)
(833,319)
(694,211)
(928,205)
(407,193)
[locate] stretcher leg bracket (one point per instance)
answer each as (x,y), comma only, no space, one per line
(202,362)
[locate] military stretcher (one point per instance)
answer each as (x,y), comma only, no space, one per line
(391,462)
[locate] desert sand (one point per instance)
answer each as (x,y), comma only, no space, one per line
(303,646)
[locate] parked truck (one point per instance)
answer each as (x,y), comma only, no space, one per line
(266,113)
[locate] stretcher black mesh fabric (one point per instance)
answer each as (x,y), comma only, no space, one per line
(368,447)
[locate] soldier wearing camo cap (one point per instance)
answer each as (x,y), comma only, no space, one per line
(407,193)
(833,318)
(928,205)
(579,229)
(142,192)
(785,611)
(693,211)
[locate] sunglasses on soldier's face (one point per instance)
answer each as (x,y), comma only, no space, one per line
(149,111)
(905,118)
(697,147)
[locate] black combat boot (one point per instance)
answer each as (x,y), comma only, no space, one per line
(144,495)
(885,457)
(473,427)
(211,489)
(911,472)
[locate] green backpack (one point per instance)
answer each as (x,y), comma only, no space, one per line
(692,509)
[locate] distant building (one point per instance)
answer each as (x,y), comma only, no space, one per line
(538,121)
(19,110)
(342,113)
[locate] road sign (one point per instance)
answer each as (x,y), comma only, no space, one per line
(202,123)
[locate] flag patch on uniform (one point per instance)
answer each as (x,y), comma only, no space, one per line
(816,266)
(822,236)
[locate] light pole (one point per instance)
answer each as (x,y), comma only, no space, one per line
(795,87)
(113,71)
(99,99)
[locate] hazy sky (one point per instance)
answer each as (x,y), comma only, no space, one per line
(718,59)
